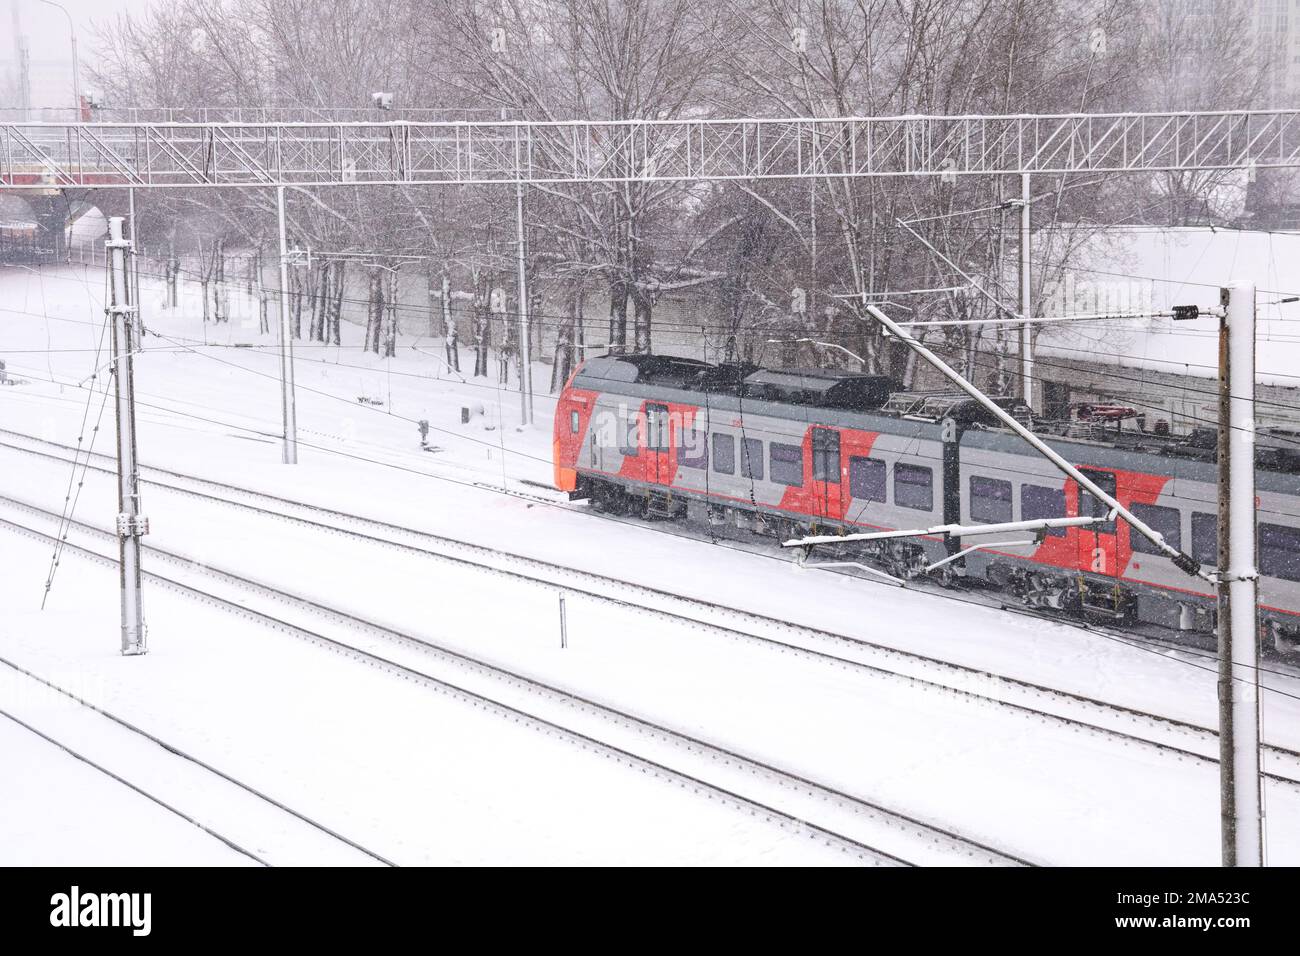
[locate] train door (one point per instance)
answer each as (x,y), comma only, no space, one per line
(658,444)
(828,489)
(595,445)
(1098,551)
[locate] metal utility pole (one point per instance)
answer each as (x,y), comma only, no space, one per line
(1026,299)
(290,456)
(135,262)
(130,523)
(1241,806)
(76,66)
(525,346)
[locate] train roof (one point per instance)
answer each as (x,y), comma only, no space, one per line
(815,388)
(1277,471)
(667,371)
(820,388)
(877,403)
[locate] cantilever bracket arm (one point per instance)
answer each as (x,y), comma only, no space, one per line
(801,563)
(1183,561)
(951,530)
(976,547)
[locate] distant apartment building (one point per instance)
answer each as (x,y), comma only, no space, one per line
(1278,47)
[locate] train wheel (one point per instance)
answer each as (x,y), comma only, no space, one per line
(946,576)
(1286,640)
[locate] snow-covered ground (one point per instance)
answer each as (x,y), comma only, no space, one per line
(421,778)
(58,811)
(412,775)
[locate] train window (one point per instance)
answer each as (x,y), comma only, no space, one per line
(1093,507)
(867,479)
(1279,552)
(787,464)
(1037,502)
(914,487)
(573,422)
(751,459)
(629,435)
(826,454)
(692,448)
(1205,538)
(724,454)
(1167,521)
(990,499)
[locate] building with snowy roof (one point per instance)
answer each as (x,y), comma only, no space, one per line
(1165,369)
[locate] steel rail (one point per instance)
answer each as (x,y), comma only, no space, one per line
(787,781)
(1117,711)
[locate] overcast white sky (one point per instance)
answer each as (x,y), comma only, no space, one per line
(47,34)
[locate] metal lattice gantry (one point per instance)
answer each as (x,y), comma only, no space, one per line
(169,155)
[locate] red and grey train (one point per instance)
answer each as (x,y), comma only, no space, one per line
(783,452)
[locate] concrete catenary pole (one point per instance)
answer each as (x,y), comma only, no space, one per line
(525,346)
(130,523)
(1026,299)
(290,412)
(449,342)
(446,303)
(1241,807)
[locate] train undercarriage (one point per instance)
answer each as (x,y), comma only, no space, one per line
(1093,598)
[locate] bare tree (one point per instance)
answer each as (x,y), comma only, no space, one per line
(635,59)
(739,249)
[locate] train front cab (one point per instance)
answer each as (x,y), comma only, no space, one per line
(573,412)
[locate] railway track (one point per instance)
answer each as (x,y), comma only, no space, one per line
(861,829)
(133,787)
(1147,637)
(255,825)
(1167,736)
